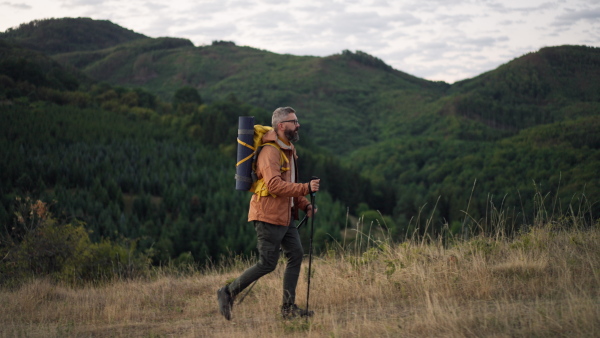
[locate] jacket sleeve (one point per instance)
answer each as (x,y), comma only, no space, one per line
(268,165)
(302,203)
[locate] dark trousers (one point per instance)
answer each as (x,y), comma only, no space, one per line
(270,238)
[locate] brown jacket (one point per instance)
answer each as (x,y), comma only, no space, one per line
(277,210)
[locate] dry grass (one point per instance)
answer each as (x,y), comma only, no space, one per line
(543,283)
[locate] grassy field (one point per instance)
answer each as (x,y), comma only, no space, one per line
(543,282)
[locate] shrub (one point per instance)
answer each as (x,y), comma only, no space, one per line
(36,244)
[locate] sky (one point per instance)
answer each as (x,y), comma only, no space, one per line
(438,40)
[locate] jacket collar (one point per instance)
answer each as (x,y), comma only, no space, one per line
(271,136)
(282,144)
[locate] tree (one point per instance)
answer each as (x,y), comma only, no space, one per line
(186,98)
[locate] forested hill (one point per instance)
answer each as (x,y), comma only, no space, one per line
(133,136)
(554,84)
(365,99)
(119,165)
(53,36)
(28,66)
(350,86)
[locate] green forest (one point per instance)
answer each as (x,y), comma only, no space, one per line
(130,141)
(159,179)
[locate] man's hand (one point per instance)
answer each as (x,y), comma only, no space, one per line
(314,185)
(309,210)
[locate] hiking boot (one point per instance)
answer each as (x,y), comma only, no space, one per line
(290,311)
(225,302)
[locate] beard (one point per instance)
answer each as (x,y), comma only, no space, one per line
(292,135)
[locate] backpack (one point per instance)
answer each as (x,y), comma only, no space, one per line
(257,186)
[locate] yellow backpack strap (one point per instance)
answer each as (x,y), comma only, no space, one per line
(247,146)
(260,187)
(283,158)
(259,131)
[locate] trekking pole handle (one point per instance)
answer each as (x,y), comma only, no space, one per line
(310,190)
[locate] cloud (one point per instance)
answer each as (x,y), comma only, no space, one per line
(405,19)
(308,8)
(16,5)
(206,33)
(154,6)
(357,23)
(453,20)
(271,19)
(211,9)
(166,27)
(77,3)
(237,4)
(507,23)
(481,42)
(432,5)
(271,2)
(572,17)
(501,8)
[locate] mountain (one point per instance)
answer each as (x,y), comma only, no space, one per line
(381,139)
(323,90)
(53,36)
(375,101)
(349,86)
(554,84)
(19,64)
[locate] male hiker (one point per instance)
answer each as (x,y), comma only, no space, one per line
(274,213)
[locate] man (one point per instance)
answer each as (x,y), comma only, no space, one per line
(274,215)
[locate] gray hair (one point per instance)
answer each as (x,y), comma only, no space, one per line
(280,114)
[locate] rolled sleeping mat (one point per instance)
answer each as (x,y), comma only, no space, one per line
(245,151)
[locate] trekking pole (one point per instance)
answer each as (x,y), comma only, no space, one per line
(312,228)
(302,222)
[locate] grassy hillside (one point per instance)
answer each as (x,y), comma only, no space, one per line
(542,283)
